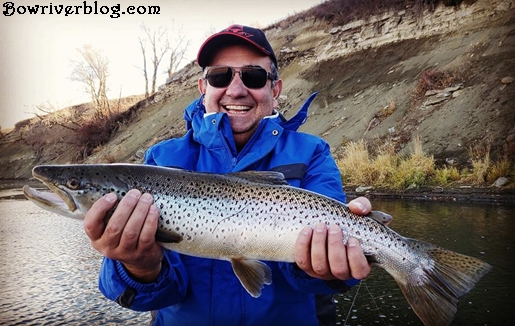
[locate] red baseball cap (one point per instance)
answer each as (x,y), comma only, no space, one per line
(253,36)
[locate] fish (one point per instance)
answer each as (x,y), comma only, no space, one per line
(254,216)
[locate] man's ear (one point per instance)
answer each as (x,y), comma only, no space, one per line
(276,91)
(202,85)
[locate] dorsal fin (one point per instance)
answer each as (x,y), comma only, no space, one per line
(263,177)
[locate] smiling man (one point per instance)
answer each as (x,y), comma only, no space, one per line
(234,126)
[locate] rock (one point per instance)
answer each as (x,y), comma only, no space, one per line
(500,182)
(450,161)
(434,101)
(140,153)
(457,93)
(289,50)
(507,80)
(363,188)
(334,30)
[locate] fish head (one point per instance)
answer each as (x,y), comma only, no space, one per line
(75,187)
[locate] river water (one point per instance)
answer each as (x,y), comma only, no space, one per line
(48,271)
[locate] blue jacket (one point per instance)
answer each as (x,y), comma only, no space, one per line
(198,291)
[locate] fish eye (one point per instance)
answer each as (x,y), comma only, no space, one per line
(73,183)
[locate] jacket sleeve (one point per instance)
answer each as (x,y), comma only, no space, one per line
(169,288)
(322,176)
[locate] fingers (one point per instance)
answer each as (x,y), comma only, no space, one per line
(115,227)
(358,263)
(303,250)
(337,253)
(133,217)
(319,259)
(132,224)
(322,254)
(147,236)
(360,206)
(94,220)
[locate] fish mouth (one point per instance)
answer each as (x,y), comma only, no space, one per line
(58,201)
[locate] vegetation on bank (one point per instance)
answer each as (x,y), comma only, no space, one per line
(362,165)
(82,126)
(344,11)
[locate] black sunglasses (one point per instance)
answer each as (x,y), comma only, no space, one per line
(251,76)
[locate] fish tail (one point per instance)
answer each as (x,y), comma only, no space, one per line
(433,291)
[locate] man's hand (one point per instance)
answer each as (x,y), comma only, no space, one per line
(320,252)
(129,236)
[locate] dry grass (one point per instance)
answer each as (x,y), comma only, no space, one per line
(484,169)
(355,166)
(480,157)
(432,79)
(390,170)
(445,176)
(501,168)
(415,170)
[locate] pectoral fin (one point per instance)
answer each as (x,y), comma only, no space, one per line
(252,274)
(168,236)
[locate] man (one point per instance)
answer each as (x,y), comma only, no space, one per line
(233,126)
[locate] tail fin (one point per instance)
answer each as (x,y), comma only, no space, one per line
(434,297)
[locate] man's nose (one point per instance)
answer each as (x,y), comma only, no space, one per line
(236,88)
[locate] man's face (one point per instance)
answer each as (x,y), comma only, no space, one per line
(244,106)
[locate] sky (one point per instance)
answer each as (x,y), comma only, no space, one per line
(37,49)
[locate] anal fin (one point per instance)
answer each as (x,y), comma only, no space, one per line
(253,274)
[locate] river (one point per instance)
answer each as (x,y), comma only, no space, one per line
(48,271)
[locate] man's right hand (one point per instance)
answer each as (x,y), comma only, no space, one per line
(129,236)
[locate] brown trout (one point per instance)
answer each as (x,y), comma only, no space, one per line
(246,217)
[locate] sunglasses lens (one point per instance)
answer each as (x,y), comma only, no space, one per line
(252,77)
(219,76)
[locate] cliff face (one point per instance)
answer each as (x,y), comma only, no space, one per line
(444,77)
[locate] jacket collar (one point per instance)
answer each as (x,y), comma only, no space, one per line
(213,130)
(196,110)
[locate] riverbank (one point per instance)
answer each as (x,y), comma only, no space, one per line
(444,78)
(463,194)
(12,189)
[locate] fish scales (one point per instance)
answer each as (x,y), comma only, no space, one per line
(250,216)
(269,216)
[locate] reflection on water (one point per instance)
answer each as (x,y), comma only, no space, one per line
(48,271)
(485,231)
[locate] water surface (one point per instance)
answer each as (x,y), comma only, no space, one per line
(48,271)
(482,230)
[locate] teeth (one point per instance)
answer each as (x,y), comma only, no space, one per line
(237,107)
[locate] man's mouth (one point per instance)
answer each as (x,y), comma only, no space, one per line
(237,108)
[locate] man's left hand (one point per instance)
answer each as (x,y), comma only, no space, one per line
(321,253)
